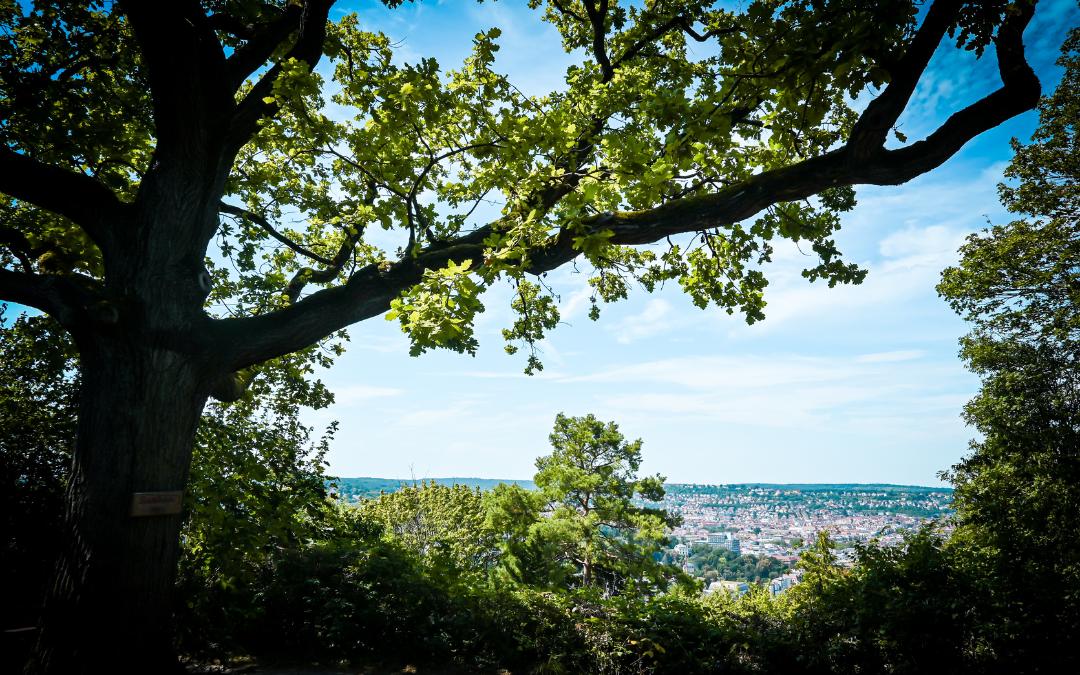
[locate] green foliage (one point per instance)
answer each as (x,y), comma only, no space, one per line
(439,311)
(536,314)
(591,522)
(38,394)
(715,563)
(257,487)
(564,578)
(415,148)
(903,609)
(52,111)
(444,526)
(1016,493)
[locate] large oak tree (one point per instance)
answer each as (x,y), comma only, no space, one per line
(181,201)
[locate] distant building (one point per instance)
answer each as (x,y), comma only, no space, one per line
(725,539)
(733,588)
(681,549)
(784,582)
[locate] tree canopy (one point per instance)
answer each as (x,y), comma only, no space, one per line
(646,140)
(1019,285)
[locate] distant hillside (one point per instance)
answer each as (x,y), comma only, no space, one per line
(822,487)
(351,489)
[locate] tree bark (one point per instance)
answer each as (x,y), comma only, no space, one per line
(111,600)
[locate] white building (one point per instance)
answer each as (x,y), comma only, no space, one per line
(784,582)
(733,588)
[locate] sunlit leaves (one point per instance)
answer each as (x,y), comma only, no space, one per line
(439,311)
(445,526)
(1021,280)
(380,159)
(415,149)
(536,313)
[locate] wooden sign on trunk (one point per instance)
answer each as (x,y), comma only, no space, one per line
(156,503)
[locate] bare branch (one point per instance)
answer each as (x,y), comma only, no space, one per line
(688,28)
(269,229)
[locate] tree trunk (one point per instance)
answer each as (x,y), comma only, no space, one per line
(109,609)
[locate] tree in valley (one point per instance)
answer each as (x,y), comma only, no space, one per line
(180,202)
(443,524)
(589,520)
(1017,491)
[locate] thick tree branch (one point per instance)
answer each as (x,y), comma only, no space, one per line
(370,290)
(71,299)
(880,116)
(185,64)
(261,45)
(79,198)
(27,289)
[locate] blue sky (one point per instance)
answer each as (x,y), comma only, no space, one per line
(850,384)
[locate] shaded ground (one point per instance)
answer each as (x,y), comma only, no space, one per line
(274,669)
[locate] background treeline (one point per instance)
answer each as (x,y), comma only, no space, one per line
(564,578)
(352,489)
(719,563)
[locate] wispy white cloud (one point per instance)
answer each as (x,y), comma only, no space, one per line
(654,319)
(574,302)
(905,238)
(890,357)
(352,394)
(428,417)
(820,394)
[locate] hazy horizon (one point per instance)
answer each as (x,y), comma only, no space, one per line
(419,479)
